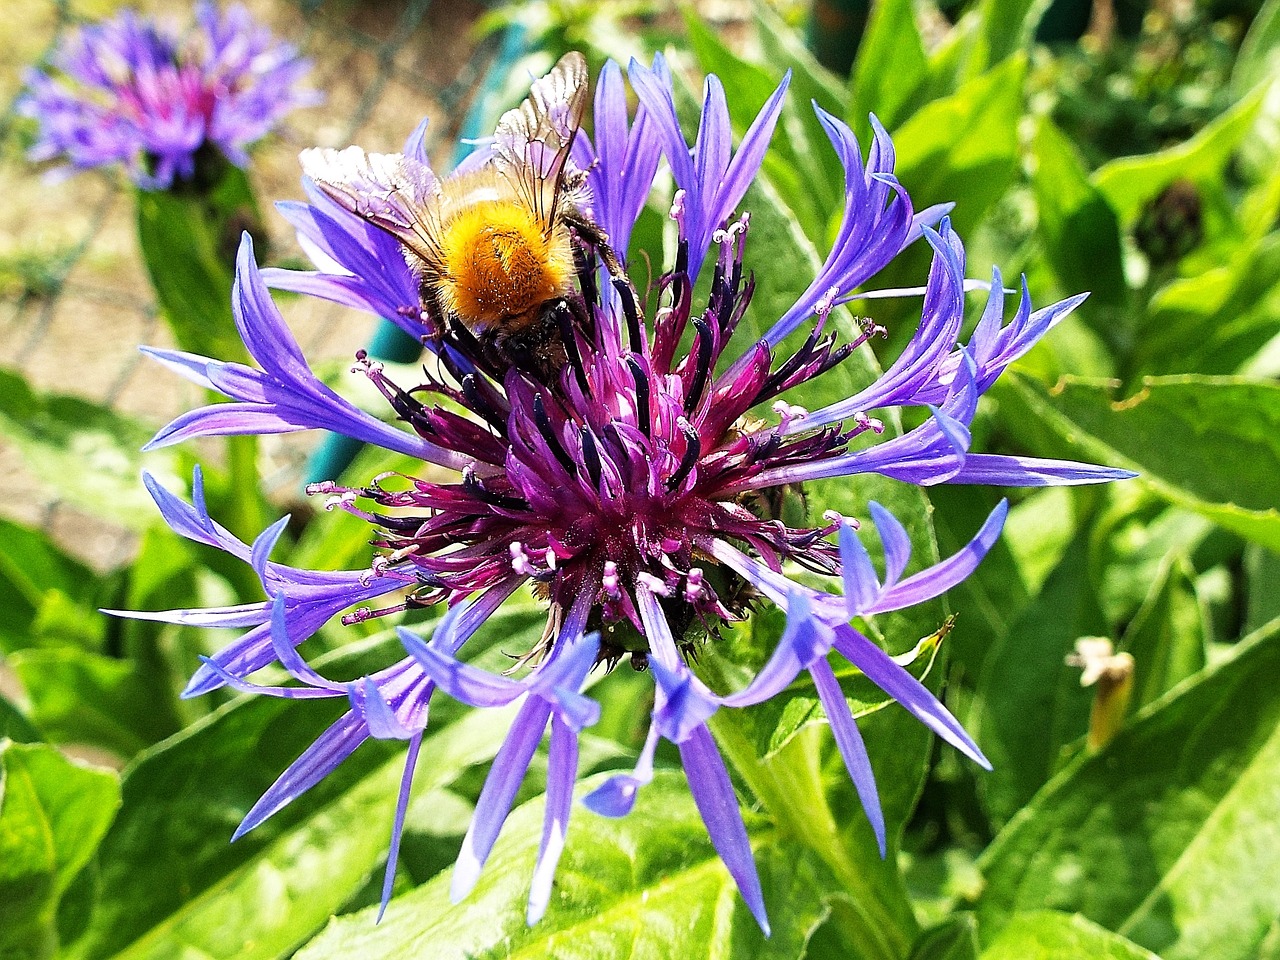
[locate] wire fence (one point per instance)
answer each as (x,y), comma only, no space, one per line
(75,302)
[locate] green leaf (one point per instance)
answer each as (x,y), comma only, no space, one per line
(1006,27)
(1262,573)
(82,697)
(783,48)
(1164,835)
(86,453)
(1078,228)
(647,885)
(1030,704)
(1047,935)
(1167,638)
(892,37)
(1216,321)
(1270,947)
(954,939)
(964,148)
(988,600)
(63,621)
(14,725)
(1257,57)
(171,880)
(1135,534)
(1221,466)
(1130,182)
(30,565)
(49,599)
(188,239)
(53,814)
(950,59)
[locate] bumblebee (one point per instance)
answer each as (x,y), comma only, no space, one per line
(494,247)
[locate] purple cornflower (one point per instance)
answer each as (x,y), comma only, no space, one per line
(627,484)
(135,92)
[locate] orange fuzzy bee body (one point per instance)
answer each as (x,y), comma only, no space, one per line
(499,265)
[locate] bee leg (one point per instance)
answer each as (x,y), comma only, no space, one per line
(593,235)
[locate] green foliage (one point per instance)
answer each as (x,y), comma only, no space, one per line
(188,237)
(1030,705)
(1129,182)
(1078,228)
(81,450)
(892,37)
(620,886)
(1164,834)
(36,577)
(1222,420)
(1168,635)
(78,696)
(53,813)
(1046,935)
(978,167)
(1142,93)
(1143,170)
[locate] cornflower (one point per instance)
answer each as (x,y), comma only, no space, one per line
(135,92)
(631,487)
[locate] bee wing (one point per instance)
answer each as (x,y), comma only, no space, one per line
(532,141)
(389,190)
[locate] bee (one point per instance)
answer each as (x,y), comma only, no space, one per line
(494,247)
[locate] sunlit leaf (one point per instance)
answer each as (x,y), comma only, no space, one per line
(1164,835)
(1077,227)
(963,148)
(188,239)
(86,453)
(1208,444)
(82,697)
(891,37)
(14,725)
(53,814)
(1217,321)
(1167,637)
(954,939)
(1129,182)
(1046,935)
(647,885)
(1030,704)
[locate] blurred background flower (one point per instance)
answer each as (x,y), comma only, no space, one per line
(140,93)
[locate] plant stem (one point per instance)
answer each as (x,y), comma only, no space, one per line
(789,785)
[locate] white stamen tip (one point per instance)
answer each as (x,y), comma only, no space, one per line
(677,205)
(520,559)
(653,584)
